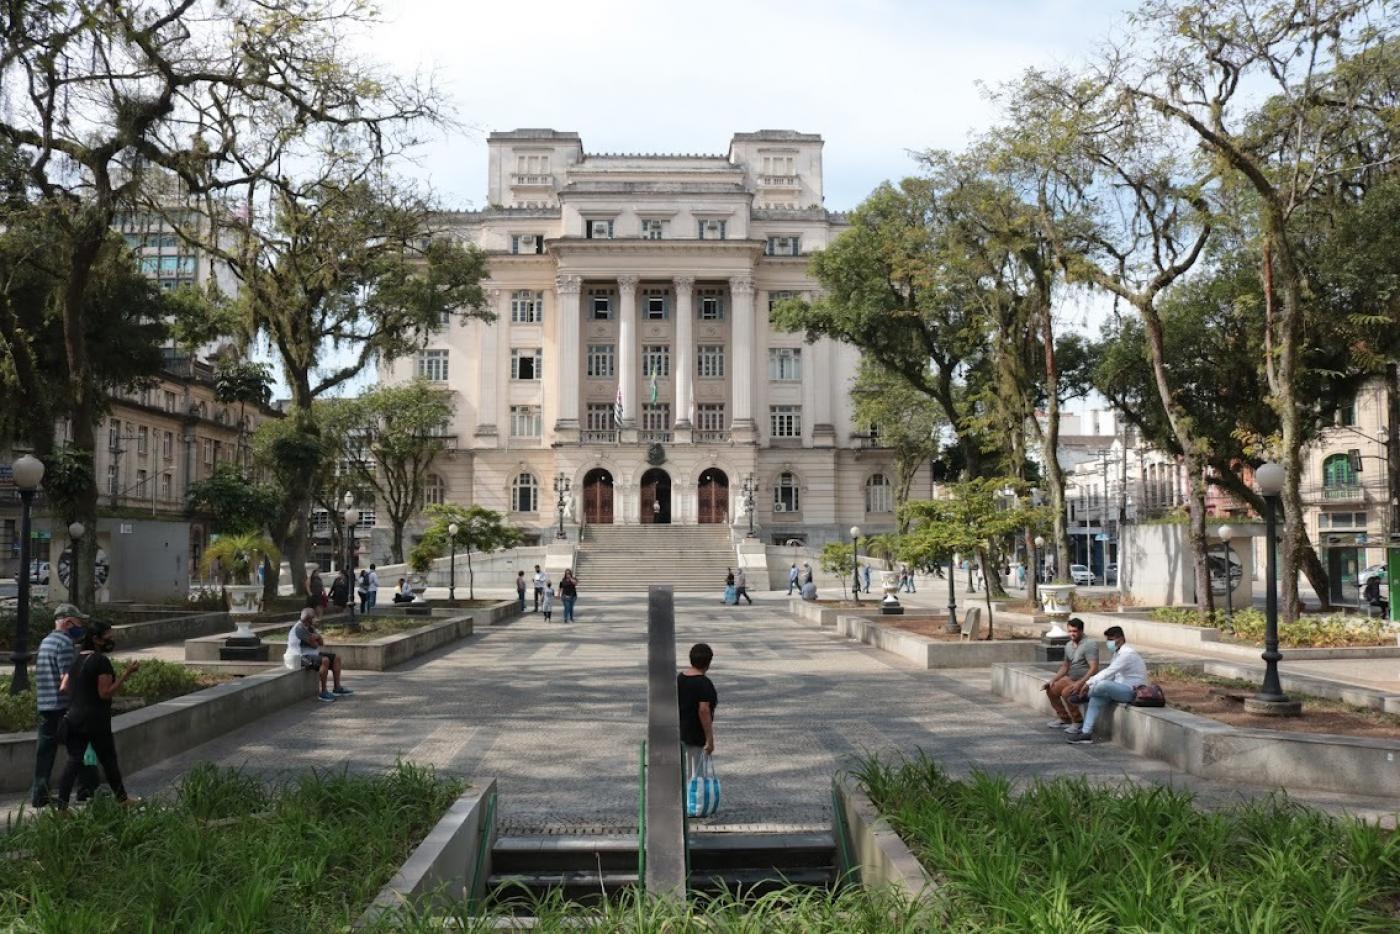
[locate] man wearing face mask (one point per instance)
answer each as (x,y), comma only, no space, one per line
(56,654)
(1114,684)
(92,683)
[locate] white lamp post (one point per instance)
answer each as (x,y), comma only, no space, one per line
(1226,532)
(28,472)
(351,515)
(855,561)
(1270,698)
(452,530)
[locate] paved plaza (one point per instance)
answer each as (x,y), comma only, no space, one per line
(557,714)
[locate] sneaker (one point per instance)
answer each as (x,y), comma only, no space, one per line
(1072,728)
(342,691)
(1058,724)
(325,696)
(1080,738)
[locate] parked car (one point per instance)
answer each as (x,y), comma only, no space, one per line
(1375,570)
(1081,575)
(38,572)
(1110,574)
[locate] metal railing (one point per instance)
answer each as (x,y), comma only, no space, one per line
(711,437)
(778,181)
(642,822)
(599,436)
(532,179)
(1345,491)
(652,437)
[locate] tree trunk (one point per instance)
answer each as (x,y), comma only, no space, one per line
(1054,474)
(89,233)
(396,546)
(1196,531)
(471,576)
(1290,415)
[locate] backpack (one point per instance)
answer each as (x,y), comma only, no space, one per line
(364,580)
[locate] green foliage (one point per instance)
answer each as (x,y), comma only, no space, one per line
(478,530)
(238,555)
(19,713)
(1248,625)
(235,503)
(306,855)
(243,381)
(1034,859)
(158,680)
(907,423)
(975,516)
(836,558)
(68,473)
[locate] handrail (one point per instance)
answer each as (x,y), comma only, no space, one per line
(642,823)
(483,835)
(842,832)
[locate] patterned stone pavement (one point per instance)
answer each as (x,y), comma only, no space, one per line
(557,714)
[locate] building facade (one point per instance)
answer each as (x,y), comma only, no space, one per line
(632,356)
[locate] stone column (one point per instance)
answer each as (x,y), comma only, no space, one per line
(568,289)
(742,426)
(487,393)
(685,356)
(627,353)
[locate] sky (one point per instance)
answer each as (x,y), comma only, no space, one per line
(878,79)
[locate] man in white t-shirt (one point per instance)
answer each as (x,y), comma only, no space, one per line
(1113,684)
(540,579)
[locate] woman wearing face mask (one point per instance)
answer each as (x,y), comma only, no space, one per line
(92,683)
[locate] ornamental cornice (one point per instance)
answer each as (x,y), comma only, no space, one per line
(628,283)
(568,285)
(683,284)
(638,246)
(741,285)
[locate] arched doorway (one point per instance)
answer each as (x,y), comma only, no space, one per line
(598,497)
(656,497)
(713,497)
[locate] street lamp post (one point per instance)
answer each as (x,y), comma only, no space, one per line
(952,627)
(1270,698)
(1226,533)
(452,530)
(351,515)
(748,502)
(75,535)
(28,472)
(855,561)
(561,487)
(1039,542)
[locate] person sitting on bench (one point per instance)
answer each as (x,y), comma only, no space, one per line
(1114,684)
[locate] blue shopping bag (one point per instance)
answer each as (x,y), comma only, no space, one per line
(731,595)
(702,794)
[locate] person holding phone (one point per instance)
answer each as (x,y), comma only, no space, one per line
(92,682)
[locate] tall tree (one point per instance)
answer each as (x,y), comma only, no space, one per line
(906,422)
(479,530)
(95,96)
(390,437)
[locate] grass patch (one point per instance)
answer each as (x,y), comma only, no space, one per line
(1334,630)
(153,682)
(225,853)
(1068,856)
(795,910)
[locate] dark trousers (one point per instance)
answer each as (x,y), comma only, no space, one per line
(364,602)
(76,742)
(742,592)
(45,751)
(539,592)
(522,600)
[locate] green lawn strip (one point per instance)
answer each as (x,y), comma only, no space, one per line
(1334,630)
(1066,855)
(153,682)
(224,853)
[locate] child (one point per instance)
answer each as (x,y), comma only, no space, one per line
(547,604)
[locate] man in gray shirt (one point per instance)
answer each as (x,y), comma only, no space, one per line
(1081,662)
(309,643)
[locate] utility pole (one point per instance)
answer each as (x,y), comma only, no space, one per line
(1392,449)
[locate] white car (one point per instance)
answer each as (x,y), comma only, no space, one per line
(1081,575)
(1375,570)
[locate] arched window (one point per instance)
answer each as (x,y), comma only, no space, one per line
(434,491)
(879,495)
(785,493)
(525,494)
(1337,472)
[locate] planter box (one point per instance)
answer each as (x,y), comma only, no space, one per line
(931,653)
(1210,749)
(152,734)
(442,871)
(1207,638)
(878,857)
(376,655)
(169,629)
(825,616)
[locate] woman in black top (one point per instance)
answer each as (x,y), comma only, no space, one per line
(568,592)
(91,683)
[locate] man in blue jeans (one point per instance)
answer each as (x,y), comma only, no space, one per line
(1113,684)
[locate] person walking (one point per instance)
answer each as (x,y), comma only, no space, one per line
(730,595)
(520,589)
(568,592)
(92,683)
(373,587)
(539,580)
(315,591)
(865,573)
(794,577)
(55,658)
(547,599)
(340,590)
(741,587)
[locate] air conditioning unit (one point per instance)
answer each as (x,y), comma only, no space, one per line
(780,507)
(598,229)
(527,244)
(714,227)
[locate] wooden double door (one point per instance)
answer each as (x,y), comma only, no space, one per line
(713,497)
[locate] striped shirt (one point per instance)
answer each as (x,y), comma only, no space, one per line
(56,654)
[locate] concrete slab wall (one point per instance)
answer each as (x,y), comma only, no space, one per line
(878,857)
(931,653)
(442,871)
(1157,566)
(170,628)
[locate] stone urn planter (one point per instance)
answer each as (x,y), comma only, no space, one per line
(1057,600)
(244,600)
(889,583)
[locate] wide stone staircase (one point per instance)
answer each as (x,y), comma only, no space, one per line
(689,558)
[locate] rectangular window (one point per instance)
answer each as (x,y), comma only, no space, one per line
(656,416)
(170,402)
(525,421)
(655,305)
(208,453)
(785,363)
(167,445)
(602,306)
(599,416)
(526,307)
(526,363)
(526,243)
(602,360)
(653,229)
(432,365)
(165,491)
(112,480)
(114,435)
(712,230)
(711,305)
(785,421)
(141,482)
(532,166)
(600,230)
(656,360)
(783,246)
(709,416)
(709,360)
(143,440)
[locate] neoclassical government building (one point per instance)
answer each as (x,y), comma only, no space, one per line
(632,355)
